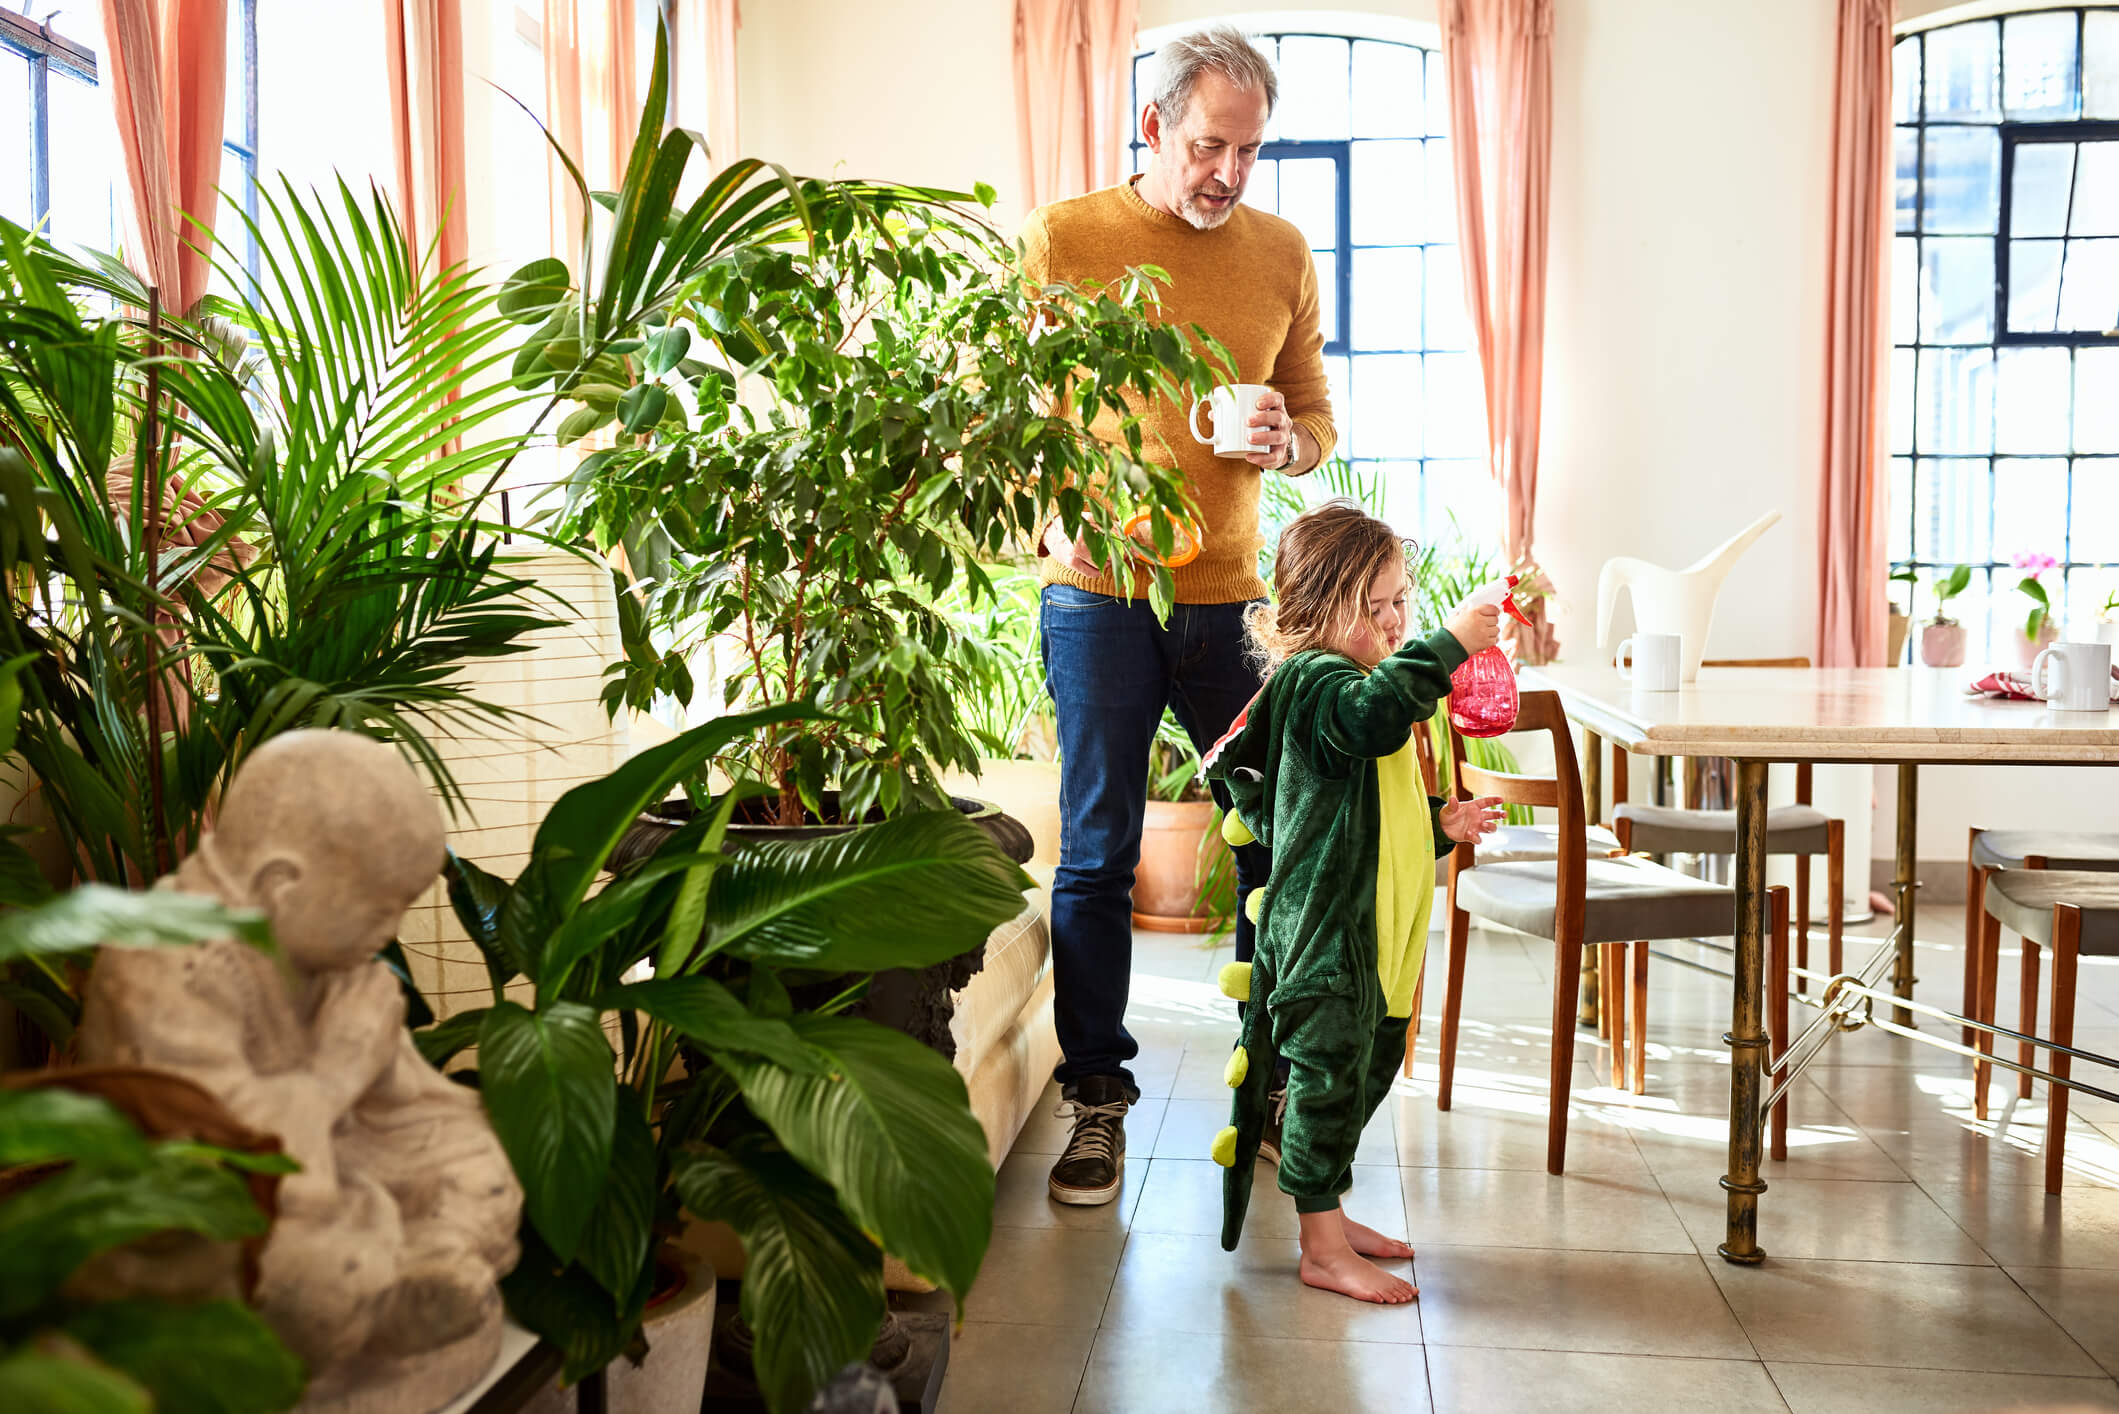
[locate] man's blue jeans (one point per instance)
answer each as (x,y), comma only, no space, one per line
(1111,669)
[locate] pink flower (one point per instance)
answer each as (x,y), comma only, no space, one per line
(2037,564)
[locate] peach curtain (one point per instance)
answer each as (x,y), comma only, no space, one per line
(424,45)
(1073,115)
(624,83)
(706,100)
(1498,55)
(564,55)
(168,64)
(1852,613)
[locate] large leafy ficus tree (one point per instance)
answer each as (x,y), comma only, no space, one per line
(816,406)
(822,1139)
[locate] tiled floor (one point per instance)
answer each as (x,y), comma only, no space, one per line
(1915,1262)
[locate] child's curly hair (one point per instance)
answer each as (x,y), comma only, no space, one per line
(1327,559)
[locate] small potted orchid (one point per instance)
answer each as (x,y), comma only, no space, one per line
(2038,627)
(1942,637)
(2108,619)
(1901,618)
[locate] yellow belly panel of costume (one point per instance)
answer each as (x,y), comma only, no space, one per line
(1405,878)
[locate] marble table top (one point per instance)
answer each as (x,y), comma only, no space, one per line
(1828,714)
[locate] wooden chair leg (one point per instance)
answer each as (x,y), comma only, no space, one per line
(1975,907)
(1611,1011)
(1982,1009)
(2027,1018)
(1412,1023)
(1835,891)
(1777,997)
(1566,981)
(1638,1012)
(1604,1008)
(1460,925)
(2067,940)
(1802,918)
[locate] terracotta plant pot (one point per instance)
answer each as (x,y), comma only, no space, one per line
(1166,884)
(1900,626)
(1942,644)
(2026,649)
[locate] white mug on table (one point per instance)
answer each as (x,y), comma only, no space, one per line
(1655,661)
(1231,406)
(2074,677)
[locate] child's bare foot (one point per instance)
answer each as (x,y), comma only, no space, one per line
(1371,1243)
(1330,1263)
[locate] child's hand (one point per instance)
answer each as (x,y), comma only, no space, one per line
(1465,821)
(1477,629)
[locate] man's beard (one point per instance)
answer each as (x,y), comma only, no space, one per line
(1204,217)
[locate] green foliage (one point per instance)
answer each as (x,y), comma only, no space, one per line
(804,1130)
(113,1187)
(831,400)
(2041,606)
(1948,586)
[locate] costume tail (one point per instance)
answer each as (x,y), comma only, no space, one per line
(1250,1076)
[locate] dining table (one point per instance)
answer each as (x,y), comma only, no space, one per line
(1904,717)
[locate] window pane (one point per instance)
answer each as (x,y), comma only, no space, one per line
(1456,406)
(1961,180)
(1387,299)
(1386,405)
(1438,88)
(1441,191)
(2096,210)
(1905,288)
(1262,191)
(2089,591)
(1327,293)
(320,120)
(1462,495)
(1950,520)
(1901,402)
(1906,184)
(84,162)
(2034,285)
(2097,400)
(2100,72)
(1448,327)
(1384,184)
(2031,400)
(235,120)
(1387,97)
(1956,400)
(2030,505)
(14,151)
(1963,72)
(1900,543)
(1335,379)
(1905,81)
(1313,88)
(1309,196)
(2089,289)
(2039,188)
(2094,528)
(1957,291)
(2038,65)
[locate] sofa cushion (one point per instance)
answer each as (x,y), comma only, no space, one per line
(1018,955)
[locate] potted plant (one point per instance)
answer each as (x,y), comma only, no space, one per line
(1942,637)
(1186,880)
(2108,619)
(830,401)
(1901,617)
(2038,627)
(738,1091)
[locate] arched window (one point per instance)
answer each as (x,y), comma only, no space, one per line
(1358,156)
(2004,308)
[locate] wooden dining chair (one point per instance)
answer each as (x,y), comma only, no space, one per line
(1577,900)
(1992,850)
(2075,912)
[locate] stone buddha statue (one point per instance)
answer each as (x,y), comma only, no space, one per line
(381,1267)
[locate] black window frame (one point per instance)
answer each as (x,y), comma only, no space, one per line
(2014,136)
(43,48)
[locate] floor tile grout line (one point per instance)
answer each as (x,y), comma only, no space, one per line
(2044,1311)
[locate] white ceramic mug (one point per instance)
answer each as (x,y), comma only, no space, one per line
(1655,662)
(1231,407)
(2074,677)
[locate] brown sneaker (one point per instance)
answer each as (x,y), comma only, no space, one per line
(1269,1142)
(1089,1173)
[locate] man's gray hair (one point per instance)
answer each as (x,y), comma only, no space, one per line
(1221,49)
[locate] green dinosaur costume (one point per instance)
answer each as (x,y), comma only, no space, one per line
(1320,768)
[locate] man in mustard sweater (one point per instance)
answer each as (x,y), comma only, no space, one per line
(1246,278)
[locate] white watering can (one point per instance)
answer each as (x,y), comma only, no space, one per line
(1672,601)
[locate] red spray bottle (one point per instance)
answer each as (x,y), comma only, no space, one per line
(1482,693)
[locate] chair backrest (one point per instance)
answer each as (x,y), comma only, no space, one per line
(1424,753)
(1560,791)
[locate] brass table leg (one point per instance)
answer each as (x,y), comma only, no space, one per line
(1747,1034)
(1903,886)
(1589,1012)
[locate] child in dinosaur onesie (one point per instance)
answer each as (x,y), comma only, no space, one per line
(1321,768)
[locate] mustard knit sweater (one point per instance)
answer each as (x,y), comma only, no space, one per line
(1251,284)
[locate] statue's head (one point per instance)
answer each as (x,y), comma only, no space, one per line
(333,836)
